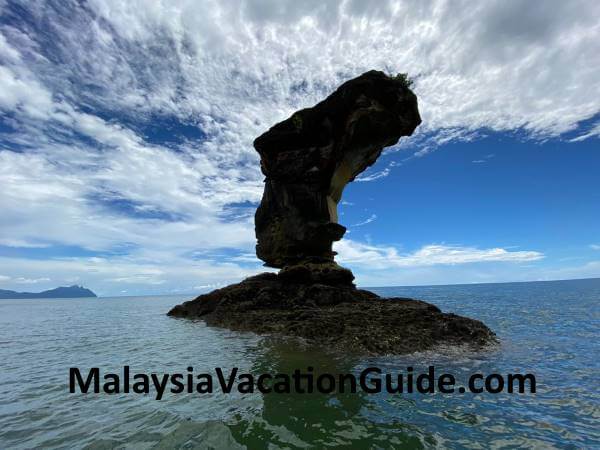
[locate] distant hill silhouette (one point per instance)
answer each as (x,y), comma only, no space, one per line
(60,292)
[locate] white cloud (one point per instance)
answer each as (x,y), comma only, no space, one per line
(22,280)
(595,246)
(374,176)
(373,218)
(23,95)
(19,243)
(501,65)
(384,265)
(592,132)
(485,159)
(355,253)
(68,204)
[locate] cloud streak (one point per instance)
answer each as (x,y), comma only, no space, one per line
(385,257)
(372,218)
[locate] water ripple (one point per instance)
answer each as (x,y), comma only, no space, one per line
(549,329)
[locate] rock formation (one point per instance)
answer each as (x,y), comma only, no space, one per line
(307,160)
(336,316)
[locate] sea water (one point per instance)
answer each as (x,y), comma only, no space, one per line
(549,329)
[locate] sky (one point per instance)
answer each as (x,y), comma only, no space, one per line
(126,129)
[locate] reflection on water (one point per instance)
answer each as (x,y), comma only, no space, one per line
(549,329)
(313,419)
(301,420)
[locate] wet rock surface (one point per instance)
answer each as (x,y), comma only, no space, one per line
(339,316)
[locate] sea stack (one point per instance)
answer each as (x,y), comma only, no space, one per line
(307,160)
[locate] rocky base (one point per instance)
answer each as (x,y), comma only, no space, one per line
(335,315)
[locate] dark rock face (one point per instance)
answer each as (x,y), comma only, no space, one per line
(340,316)
(309,158)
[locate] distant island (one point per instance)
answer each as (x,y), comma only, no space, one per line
(59,292)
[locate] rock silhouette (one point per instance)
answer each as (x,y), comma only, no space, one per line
(310,157)
(307,160)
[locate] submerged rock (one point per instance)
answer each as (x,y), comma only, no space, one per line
(308,159)
(339,316)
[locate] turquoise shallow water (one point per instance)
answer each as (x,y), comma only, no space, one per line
(549,329)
